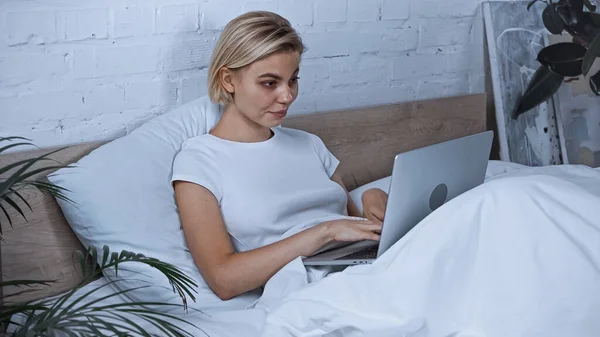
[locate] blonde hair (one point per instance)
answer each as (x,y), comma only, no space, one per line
(246,39)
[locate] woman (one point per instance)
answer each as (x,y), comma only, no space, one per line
(247,182)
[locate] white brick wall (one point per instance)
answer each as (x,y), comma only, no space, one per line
(73,71)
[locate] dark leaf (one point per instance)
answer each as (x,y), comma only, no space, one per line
(19,283)
(563,58)
(590,56)
(22,199)
(14,205)
(589,5)
(552,20)
(7,147)
(576,5)
(7,217)
(3,139)
(594,18)
(531,3)
(542,86)
(595,83)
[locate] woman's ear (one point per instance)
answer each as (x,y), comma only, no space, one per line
(226,79)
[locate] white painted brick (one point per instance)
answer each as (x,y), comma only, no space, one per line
(457,8)
(188,55)
(303,105)
(151,95)
(458,62)
(75,25)
(435,87)
(133,21)
(215,15)
(270,6)
(424,8)
(359,69)
(299,13)
(477,83)
(363,10)
(444,32)
(192,88)
(177,18)
(395,9)
(33,27)
(330,10)
(126,22)
(29,110)
(105,99)
(418,66)
(23,68)
(327,44)
(116,61)
(395,40)
(313,77)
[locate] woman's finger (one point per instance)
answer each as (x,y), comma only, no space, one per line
(371,228)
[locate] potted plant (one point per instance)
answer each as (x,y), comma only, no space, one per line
(566,59)
(79,318)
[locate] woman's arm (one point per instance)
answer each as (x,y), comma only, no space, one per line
(229,273)
(352,208)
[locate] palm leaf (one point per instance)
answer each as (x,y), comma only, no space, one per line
(21,174)
(2,139)
(7,147)
(13,191)
(14,205)
(180,282)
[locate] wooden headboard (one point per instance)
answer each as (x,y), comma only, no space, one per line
(365,140)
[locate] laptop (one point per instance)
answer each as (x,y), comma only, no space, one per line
(422,180)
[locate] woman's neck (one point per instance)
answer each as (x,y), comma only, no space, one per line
(234,126)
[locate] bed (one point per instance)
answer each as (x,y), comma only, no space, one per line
(518,255)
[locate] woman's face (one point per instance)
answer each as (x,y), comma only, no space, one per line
(264,90)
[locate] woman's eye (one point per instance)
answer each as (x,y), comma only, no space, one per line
(269,84)
(294,80)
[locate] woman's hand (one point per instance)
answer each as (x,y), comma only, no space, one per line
(374,201)
(351,230)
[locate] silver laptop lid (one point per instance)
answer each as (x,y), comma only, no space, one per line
(424,179)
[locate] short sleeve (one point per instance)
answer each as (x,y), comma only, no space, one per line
(196,163)
(329,161)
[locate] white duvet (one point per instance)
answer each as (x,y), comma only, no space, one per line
(516,256)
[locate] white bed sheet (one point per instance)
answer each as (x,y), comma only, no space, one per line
(517,256)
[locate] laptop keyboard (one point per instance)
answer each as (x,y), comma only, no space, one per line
(367,253)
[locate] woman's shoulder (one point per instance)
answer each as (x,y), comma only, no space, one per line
(296,134)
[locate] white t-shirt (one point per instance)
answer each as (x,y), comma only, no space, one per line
(265,188)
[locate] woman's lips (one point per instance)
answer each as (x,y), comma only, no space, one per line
(279,114)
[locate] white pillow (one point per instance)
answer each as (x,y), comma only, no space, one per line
(356,194)
(123,197)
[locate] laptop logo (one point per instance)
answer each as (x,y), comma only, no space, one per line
(438,196)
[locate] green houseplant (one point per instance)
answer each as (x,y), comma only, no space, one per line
(79,318)
(561,61)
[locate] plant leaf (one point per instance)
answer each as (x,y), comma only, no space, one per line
(563,58)
(589,5)
(542,86)
(4,139)
(552,20)
(14,205)
(590,56)
(22,199)
(576,5)
(595,83)
(7,147)
(7,217)
(531,3)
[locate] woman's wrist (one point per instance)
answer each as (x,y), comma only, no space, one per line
(319,235)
